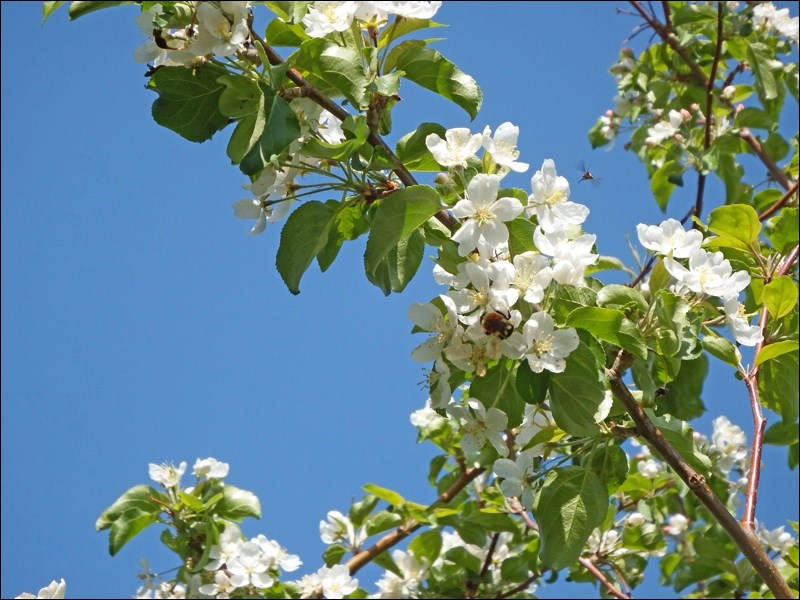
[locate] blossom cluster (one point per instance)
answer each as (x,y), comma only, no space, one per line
(707,274)
(324,17)
(214,30)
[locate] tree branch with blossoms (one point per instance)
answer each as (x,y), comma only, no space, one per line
(528,414)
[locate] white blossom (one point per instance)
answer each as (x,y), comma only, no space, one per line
(708,273)
(167,474)
(337,582)
(428,317)
(210,468)
(55,589)
(325,17)
(550,200)
(664,129)
(515,476)
(479,425)
(743,332)
(669,238)
(485,214)
(503,146)
(543,345)
(777,540)
(729,442)
(676,524)
(649,468)
(453,151)
(340,529)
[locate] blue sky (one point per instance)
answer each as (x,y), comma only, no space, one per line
(141,324)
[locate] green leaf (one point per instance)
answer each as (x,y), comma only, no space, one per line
(572,502)
(782,434)
(79,9)
(339,67)
(681,437)
(568,298)
(426,546)
(621,297)
(532,387)
(608,263)
(672,312)
(736,224)
(754,118)
(403,26)
(130,514)
(281,129)
(780,296)
(383,521)
(238,503)
(722,348)
(404,260)
(611,326)
(492,520)
(386,494)
(498,388)
(610,463)
(412,151)
(758,55)
(193,502)
(778,386)
(141,497)
(280,33)
(774,350)
(303,236)
(663,182)
(520,236)
(359,511)
(784,234)
(348,224)
(48,8)
(428,68)
(395,218)
(188,100)
(577,393)
(333,555)
(682,399)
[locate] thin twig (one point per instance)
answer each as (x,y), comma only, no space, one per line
(600,576)
(780,203)
(487,563)
(519,588)
(411,525)
(774,170)
(673,43)
(745,539)
(759,422)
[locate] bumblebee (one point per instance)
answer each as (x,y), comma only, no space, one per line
(498,324)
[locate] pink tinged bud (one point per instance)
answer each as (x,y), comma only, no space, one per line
(694,107)
(609,113)
(685,114)
(678,137)
(739,107)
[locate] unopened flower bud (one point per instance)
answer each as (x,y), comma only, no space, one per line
(694,107)
(739,107)
(685,114)
(678,138)
(443,179)
(609,113)
(728,92)
(627,52)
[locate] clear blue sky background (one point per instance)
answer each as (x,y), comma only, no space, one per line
(141,324)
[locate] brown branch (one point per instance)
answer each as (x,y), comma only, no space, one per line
(667,16)
(780,203)
(672,41)
(403,174)
(411,525)
(745,539)
(519,588)
(775,172)
(701,180)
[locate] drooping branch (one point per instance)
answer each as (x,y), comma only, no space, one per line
(745,539)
